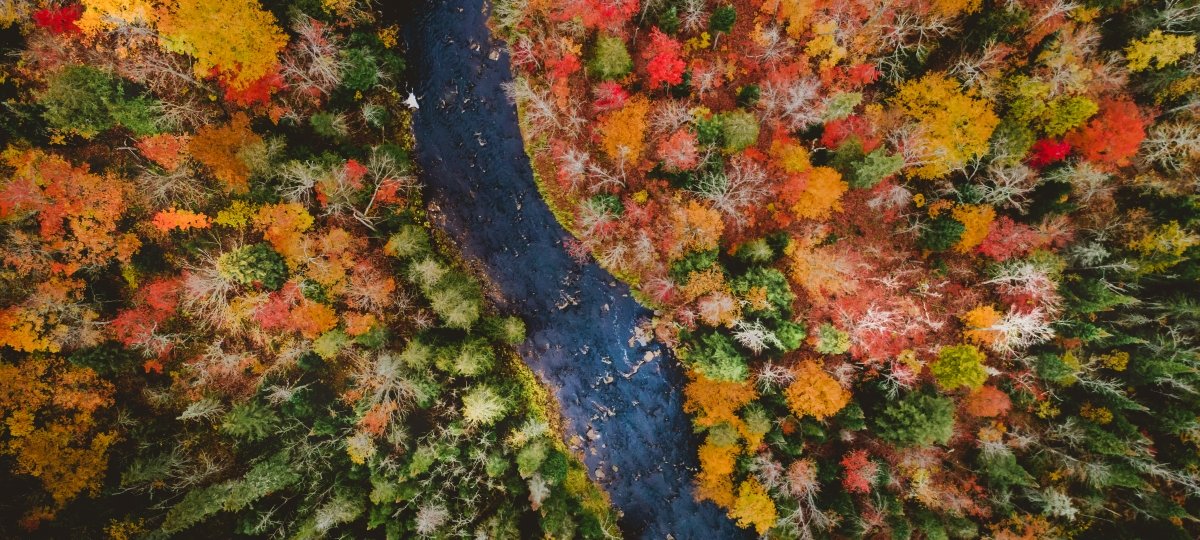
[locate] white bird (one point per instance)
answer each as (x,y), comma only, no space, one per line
(412,101)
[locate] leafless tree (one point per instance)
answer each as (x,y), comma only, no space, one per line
(693,16)
(509,14)
(797,104)
(1008,186)
(1173,146)
(978,71)
(670,116)
(539,115)
(179,187)
(773,44)
(743,184)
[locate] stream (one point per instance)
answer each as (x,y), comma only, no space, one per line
(621,398)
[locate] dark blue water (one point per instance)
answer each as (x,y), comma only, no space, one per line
(481,190)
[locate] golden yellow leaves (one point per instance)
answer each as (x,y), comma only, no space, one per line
(235,38)
(623,131)
(953,126)
(815,393)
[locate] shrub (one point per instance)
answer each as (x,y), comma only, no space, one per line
(483,406)
(255,264)
(739,130)
(814,392)
(960,365)
(361,71)
(610,59)
(918,419)
(773,287)
(943,233)
(715,356)
(87,101)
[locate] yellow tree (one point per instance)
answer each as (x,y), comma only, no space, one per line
(713,402)
(1159,50)
(714,482)
(754,507)
(815,393)
(623,131)
(976,220)
(697,228)
(104,15)
(821,196)
(48,408)
(283,225)
(234,38)
(952,125)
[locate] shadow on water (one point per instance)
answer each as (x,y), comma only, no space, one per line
(477,176)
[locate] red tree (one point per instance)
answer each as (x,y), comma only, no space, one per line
(664,65)
(860,472)
(987,402)
(1047,151)
(1007,238)
(257,92)
(59,21)
(1113,136)
(609,95)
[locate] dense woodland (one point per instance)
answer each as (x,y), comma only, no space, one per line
(223,313)
(931,264)
(932,267)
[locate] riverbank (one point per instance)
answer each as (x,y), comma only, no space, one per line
(628,423)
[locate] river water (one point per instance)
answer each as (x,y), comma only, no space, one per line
(636,439)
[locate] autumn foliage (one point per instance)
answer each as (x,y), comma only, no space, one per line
(815,393)
(1112,137)
(235,38)
(663,62)
(50,409)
